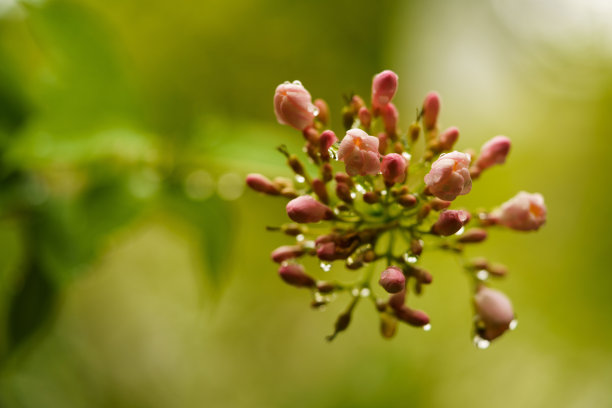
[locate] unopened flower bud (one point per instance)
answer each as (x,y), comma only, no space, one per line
(414,131)
(523,212)
(341,177)
(393,168)
(286,252)
(294,275)
(390,117)
(407,200)
(343,191)
(449,176)
(448,138)
(431,109)
(424,212)
(397,300)
(311,134)
(384,86)
(359,151)
(318,186)
(493,152)
(495,311)
(293,105)
(357,103)
(306,209)
(294,229)
(327,251)
(416,318)
(327,172)
(323,108)
(365,117)
(370,197)
(438,204)
(416,247)
(479,263)
(261,184)
(295,164)
(450,221)
(369,256)
(383,142)
(325,287)
(473,235)
(326,140)
(392,279)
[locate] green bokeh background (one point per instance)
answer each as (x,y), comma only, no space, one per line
(135,270)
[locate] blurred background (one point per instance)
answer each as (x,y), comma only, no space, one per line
(135,270)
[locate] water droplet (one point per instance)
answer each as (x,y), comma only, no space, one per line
(406,156)
(318,297)
(313,109)
(299,179)
(411,259)
(482,275)
(360,188)
(326,266)
(513,324)
(427,327)
(460,231)
(365,292)
(355,292)
(199,185)
(383,193)
(296,82)
(286,83)
(230,186)
(350,260)
(309,244)
(481,343)
(299,237)
(353,195)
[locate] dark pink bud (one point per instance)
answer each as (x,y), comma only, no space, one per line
(473,235)
(450,221)
(392,279)
(293,105)
(286,252)
(306,209)
(495,311)
(448,138)
(383,142)
(407,200)
(384,86)
(327,251)
(393,168)
(343,191)
(438,204)
(318,186)
(431,109)
(261,184)
(416,318)
(493,152)
(365,117)
(390,116)
(327,139)
(294,275)
(397,300)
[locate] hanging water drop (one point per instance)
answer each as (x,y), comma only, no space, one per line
(406,156)
(299,179)
(460,231)
(360,188)
(326,266)
(355,292)
(411,259)
(365,292)
(313,109)
(296,82)
(353,195)
(427,327)
(299,237)
(481,343)
(513,324)
(482,275)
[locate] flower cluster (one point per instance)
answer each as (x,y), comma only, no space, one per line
(380,197)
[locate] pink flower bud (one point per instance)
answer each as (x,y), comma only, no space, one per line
(384,86)
(392,279)
(383,142)
(493,152)
(448,138)
(416,318)
(495,311)
(323,108)
(359,151)
(326,140)
(523,212)
(305,209)
(431,109)
(286,252)
(318,186)
(390,116)
(450,221)
(365,117)
(449,176)
(343,192)
(327,251)
(393,168)
(474,235)
(293,105)
(261,184)
(294,275)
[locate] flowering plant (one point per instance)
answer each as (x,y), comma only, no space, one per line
(390,204)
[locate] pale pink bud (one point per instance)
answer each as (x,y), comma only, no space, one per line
(323,108)
(393,168)
(295,275)
(365,117)
(431,109)
(392,279)
(305,209)
(449,176)
(448,138)
(384,86)
(359,151)
(493,152)
(286,252)
(450,221)
(326,140)
(293,105)
(413,317)
(261,184)
(523,212)
(495,311)
(390,116)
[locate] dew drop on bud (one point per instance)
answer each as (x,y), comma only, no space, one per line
(513,324)
(427,327)
(355,292)
(482,275)
(460,231)
(480,343)
(360,188)
(296,82)
(299,179)
(325,266)
(365,292)
(353,195)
